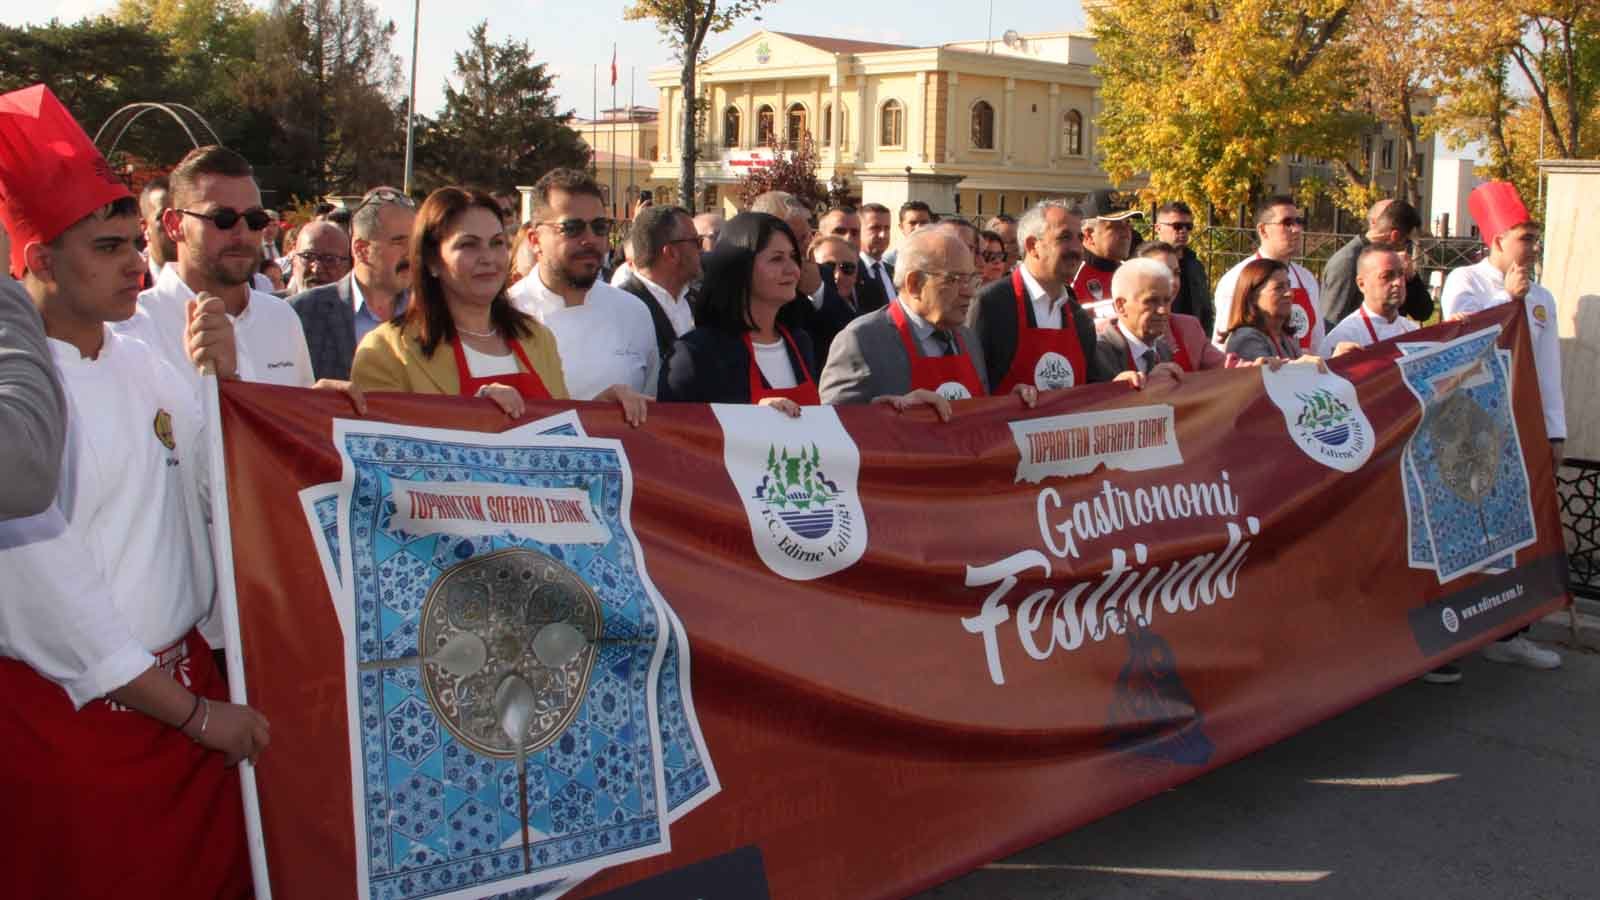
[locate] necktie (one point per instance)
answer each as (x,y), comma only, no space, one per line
(945,341)
(1148,359)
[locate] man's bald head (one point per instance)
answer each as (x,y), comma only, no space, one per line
(936,276)
(321,255)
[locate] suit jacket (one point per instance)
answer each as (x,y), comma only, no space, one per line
(993,317)
(1196,340)
(710,365)
(328,317)
(390,358)
(666,335)
(870,292)
(1194,291)
(1340,294)
(868,360)
(1111,351)
(1252,343)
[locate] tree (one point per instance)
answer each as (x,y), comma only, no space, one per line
(1204,96)
(1398,46)
(685,24)
(326,78)
(794,171)
(501,128)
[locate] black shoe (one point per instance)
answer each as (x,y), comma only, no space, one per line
(1449,673)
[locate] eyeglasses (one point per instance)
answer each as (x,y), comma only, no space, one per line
(849,268)
(573,227)
(969,280)
(992,256)
(225,218)
(1177,226)
(326,260)
(1291,222)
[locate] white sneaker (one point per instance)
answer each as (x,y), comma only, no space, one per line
(1522,652)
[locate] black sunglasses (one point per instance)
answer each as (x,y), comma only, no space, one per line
(225,218)
(849,268)
(992,256)
(573,227)
(1177,226)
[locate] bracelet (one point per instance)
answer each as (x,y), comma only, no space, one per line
(192,710)
(205,717)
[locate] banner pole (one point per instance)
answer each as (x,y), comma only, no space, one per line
(228,599)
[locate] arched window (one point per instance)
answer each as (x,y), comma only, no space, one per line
(891,128)
(827,124)
(797,124)
(730,127)
(982,125)
(766,133)
(1072,133)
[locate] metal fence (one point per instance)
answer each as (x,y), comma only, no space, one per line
(1578,488)
(1222,247)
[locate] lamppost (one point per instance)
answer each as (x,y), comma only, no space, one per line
(411,104)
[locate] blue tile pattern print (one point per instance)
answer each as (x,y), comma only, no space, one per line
(440,817)
(327,510)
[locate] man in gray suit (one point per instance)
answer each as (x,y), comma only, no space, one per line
(1137,340)
(869,362)
(33,413)
(337,316)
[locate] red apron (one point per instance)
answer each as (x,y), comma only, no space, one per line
(1092,287)
(805,393)
(527,383)
(1302,299)
(1047,358)
(108,802)
(1367,321)
(951,377)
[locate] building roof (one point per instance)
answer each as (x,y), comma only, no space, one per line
(842,45)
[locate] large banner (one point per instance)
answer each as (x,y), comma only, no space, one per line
(857,653)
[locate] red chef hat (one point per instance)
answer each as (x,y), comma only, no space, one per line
(1496,207)
(51,175)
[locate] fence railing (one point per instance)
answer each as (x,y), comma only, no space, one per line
(1578,488)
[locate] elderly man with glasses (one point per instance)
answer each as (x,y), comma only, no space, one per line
(604,334)
(216,222)
(321,256)
(337,316)
(1281,230)
(1175,226)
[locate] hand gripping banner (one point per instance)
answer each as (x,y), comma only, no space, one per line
(867,650)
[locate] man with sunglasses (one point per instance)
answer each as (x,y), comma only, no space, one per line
(337,316)
(604,334)
(1281,230)
(1175,225)
(216,221)
(1107,241)
(665,254)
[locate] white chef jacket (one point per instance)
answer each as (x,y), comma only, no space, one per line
(270,340)
(1222,299)
(605,340)
(1354,330)
(1477,287)
(120,566)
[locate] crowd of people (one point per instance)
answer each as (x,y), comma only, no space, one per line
(105,641)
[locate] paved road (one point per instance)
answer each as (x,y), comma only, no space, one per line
(1486,789)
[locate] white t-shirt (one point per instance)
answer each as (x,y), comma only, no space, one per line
(484,365)
(270,341)
(1298,277)
(605,340)
(1354,329)
(121,566)
(773,360)
(1477,287)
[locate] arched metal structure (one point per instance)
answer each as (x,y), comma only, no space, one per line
(120,121)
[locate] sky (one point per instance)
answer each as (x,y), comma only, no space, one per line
(574,36)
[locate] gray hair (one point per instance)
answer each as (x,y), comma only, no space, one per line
(364,222)
(651,230)
(1125,281)
(921,251)
(1032,224)
(775,203)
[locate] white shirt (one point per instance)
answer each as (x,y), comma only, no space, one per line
(1047,310)
(1298,277)
(270,341)
(676,308)
(621,273)
(773,360)
(1354,330)
(1477,287)
(605,340)
(1137,348)
(120,567)
(922,331)
(868,263)
(485,365)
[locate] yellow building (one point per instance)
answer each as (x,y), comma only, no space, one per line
(624,146)
(974,127)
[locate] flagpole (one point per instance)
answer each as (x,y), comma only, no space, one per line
(614,213)
(411,108)
(594,81)
(227,600)
(633,134)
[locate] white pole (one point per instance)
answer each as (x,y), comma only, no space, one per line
(411,109)
(228,601)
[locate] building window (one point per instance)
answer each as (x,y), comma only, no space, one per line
(827,124)
(766,133)
(797,125)
(1419,164)
(730,127)
(980,204)
(1386,161)
(982,126)
(1072,133)
(891,130)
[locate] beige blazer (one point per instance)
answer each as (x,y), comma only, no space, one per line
(390,359)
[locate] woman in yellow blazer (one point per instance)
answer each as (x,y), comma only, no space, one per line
(459,334)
